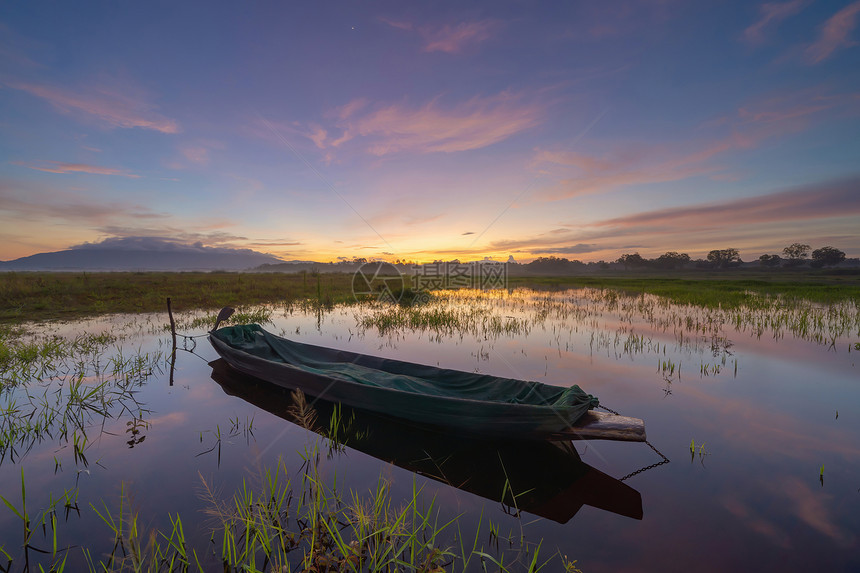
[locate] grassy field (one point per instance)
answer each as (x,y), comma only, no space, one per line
(49,296)
(727,290)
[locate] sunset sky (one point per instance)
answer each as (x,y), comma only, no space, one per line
(317,130)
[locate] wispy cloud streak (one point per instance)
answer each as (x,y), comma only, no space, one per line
(691,225)
(835,34)
(771,15)
(449,38)
(452,39)
(59,167)
(112,107)
(23,201)
(752,124)
(473,124)
(833,199)
(631,166)
(196,154)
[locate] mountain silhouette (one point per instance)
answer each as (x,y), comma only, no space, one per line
(142,254)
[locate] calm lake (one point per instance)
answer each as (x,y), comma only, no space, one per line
(757,409)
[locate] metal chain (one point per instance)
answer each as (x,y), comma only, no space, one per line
(610,410)
(665,460)
(185,339)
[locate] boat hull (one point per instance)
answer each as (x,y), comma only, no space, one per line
(478,417)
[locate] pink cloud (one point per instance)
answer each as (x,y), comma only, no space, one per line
(449,38)
(581,161)
(115,108)
(771,14)
(788,113)
(631,166)
(318,136)
(771,114)
(834,34)
(29,202)
(832,199)
(751,125)
(474,124)
(17,50)
(400,25)
(196,152)
(452,39)
(431,128)
(699,225)
(346,111)
(276,132)
(198,155)
(59,167)
(618,19)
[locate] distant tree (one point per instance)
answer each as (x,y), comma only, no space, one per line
(826,256)
(796,252)
(723,258)
(770,260)
(552,265)
(628,260)
(672,260)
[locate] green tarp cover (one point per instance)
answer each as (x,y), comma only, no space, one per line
(404,376)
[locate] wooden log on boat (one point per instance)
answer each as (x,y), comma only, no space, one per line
(605,426)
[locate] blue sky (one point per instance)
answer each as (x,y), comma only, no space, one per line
(432,130)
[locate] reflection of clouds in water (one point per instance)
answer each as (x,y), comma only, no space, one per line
(812,507)
(758,524)
(799,500)
(753,428)
(171,420)
(766,419)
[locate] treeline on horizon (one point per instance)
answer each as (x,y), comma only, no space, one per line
(796,255)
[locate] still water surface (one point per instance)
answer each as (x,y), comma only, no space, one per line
(768,397)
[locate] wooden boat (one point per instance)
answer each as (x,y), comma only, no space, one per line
(547,479)
(452,400)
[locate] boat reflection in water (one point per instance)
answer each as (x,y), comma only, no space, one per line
(548,478)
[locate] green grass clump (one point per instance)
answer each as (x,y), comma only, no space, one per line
(58,388)
(279,522)
(243,315)
(24,359)
(306,525)
(440,319)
